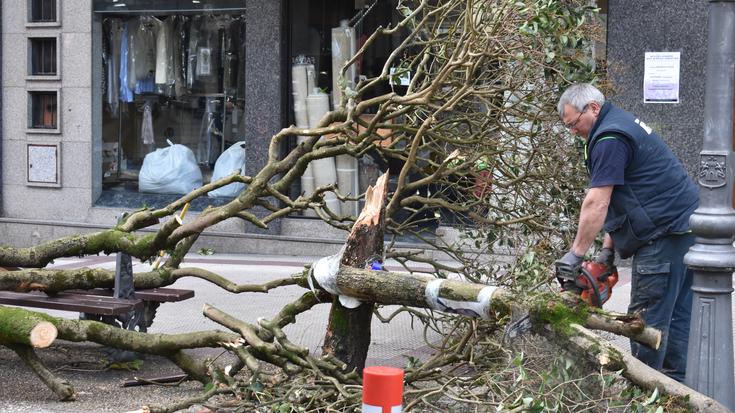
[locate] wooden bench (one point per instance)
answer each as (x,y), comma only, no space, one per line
(123,304)
(158,295)
(72,301)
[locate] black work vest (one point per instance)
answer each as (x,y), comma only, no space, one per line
(658,195)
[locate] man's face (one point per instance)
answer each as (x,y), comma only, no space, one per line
(580,123)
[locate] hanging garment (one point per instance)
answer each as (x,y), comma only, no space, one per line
(179,39)
(105,58)
(165,53)
(162,53)
(132,27)
(113,66)
(191,61)
(207,61)
(146,129)
(143,47)
(240,42)
(146,85)
(210,133)
(126,93)
(231,61)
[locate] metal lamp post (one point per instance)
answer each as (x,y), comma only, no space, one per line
(712,258)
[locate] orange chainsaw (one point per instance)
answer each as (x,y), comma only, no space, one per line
(593,281)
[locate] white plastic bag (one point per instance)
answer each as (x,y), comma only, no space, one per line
(171,170)
(231,160)
(146,129)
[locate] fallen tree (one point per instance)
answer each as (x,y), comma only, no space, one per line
(265,343)
(475,138)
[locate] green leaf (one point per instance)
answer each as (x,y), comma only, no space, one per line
(653,397)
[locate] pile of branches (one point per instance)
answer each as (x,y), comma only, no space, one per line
(479,147)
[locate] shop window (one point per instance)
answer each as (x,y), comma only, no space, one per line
(43,57)
(323,34)
(43,12)
(174,95)
(43,111)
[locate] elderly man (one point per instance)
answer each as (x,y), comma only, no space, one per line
(643,197)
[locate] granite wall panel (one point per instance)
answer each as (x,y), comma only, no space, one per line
(639,26)
(263,85)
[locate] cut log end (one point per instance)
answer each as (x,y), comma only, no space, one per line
(43,334)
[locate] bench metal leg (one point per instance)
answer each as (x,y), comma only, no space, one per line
(137,319)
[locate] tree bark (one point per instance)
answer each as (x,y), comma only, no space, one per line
(465,298)
(348,332)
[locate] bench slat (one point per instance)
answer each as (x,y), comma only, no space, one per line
(161,295)
(71,302)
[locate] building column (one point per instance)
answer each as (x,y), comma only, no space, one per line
(264,85)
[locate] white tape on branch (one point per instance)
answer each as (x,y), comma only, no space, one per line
(478,308)
(324,271)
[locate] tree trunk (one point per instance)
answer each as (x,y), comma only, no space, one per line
(479,300)
(606,355)
(348,333)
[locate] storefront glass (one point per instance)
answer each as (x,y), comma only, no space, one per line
(323,34)
(173,95)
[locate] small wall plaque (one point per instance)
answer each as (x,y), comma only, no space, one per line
(44,160)
(712,169)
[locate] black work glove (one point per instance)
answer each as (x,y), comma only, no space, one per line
(568,266)
(607,257)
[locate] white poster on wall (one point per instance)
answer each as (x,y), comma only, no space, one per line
(661,77)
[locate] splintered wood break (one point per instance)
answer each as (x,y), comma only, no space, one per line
(374,200)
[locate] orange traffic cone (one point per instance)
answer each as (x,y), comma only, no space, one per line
(382,390)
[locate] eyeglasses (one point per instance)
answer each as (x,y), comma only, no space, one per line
(576,121)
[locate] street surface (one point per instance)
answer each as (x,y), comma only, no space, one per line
(100,391)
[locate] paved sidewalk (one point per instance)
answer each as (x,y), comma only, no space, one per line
(619,303)
(101,391)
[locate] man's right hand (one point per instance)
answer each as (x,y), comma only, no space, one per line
(569,266)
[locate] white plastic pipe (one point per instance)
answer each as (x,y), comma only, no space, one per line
(325,172)
(344,46)
(307,181)
(302,81)
(347,182)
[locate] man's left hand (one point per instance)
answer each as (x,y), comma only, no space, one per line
(607,257)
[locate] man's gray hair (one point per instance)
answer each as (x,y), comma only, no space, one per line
(579,95)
